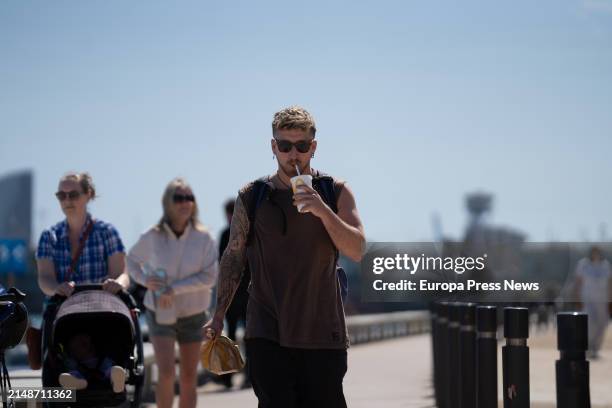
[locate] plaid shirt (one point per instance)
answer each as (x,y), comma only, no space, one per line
(92,268)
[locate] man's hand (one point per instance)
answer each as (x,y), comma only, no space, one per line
(112,286)
(311,201)
(166,298)
(65,289)
(213,328)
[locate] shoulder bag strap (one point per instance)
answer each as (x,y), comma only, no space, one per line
(77,255)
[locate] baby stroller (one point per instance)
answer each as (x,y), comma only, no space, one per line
(111,321)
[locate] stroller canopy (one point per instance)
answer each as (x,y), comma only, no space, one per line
(93,301)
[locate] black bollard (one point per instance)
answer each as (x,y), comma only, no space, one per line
(434,350)
(437,328)
(515,358)
(467,341)
(572,368)
(454,355)
(443,364)
(486,356)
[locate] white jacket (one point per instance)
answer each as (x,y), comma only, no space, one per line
(190,262)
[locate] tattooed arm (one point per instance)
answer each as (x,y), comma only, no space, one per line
(231,268)
(233,260)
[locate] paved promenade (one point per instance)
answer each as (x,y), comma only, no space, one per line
(392,373)
(396,374)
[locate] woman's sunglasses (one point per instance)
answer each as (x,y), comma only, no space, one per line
(181,198)
(285,146)
(71,195)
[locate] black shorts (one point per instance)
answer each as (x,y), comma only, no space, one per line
(285,377)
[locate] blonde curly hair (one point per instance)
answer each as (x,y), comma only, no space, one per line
(294,117)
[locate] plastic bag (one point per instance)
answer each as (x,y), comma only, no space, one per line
(221,356)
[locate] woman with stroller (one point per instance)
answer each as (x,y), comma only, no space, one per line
(80,250)
(176,260)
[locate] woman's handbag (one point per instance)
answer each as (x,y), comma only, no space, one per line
(221,356)
(34,343)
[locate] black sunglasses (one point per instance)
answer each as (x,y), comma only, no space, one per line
(71,195)
(285,146)
(181,198)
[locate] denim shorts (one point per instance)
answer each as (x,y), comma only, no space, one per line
(186,329)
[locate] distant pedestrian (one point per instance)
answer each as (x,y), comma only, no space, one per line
(594,286)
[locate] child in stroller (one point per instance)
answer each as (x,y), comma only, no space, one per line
(93,344)
(83,363)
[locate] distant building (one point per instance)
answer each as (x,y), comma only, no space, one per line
(16,230)
(16,206)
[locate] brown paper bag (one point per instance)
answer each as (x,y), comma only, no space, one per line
(221,356)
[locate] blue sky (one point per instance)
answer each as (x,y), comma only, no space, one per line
(417,103)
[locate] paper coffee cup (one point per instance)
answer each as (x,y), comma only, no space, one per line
(301,180)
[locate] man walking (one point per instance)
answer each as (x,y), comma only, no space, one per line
(296,333)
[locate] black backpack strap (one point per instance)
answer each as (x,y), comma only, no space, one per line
(259,192)
(325,185)
(327,191)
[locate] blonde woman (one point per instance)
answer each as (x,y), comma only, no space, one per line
(176,260)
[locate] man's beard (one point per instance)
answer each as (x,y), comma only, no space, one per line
(289,167)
